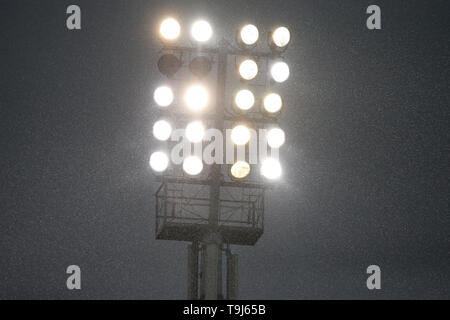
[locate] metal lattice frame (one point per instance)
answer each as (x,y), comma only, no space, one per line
(182,212)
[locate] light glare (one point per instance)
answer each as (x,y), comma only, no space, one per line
(281,37)
(273,103)
(195,131)
(201,31)
(249,34)
(244,99)
(240,135)
(271,169)
(276,138)
(163,96)
(192,165)
(196,97)
(162,130)
(248,69)
(280,71)
(170,29)
(159,161)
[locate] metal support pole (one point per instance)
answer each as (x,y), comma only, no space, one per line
(213,278)
(216,170)
(220,294)
(232,275)
(192,285)
(202,271)
(212,272)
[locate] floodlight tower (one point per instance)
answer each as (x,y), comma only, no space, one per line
(216,205)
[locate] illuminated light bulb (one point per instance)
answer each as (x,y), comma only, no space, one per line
(192,165)
(249,34)
(280,71)
(244,99)
(170,29)
(276,138)
(163,96)
(201,31)
(195,131)
(196,97)
(248,69)
(240,135)
(240,170)
(273,103)
(162,130)
(159,161)
(271,169)
(281,37)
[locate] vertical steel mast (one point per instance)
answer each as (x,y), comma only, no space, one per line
(213,241)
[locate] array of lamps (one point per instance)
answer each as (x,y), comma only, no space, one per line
(248,35)
(196,97)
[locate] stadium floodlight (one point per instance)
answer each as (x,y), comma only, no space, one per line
(276,138)
(170,29)
(240,135)
(280,37)
(242,109)
(159,161)
(163,96)
(195,131)
(192,165)
(273,103)
(280,71)
(248,69)
(200,66)
(201,31)
(169,64)
(162,130)
(240,170)
(196,97)
(271,169)
(244,99)
(249,35)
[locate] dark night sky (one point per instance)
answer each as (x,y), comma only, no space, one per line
(366,164)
